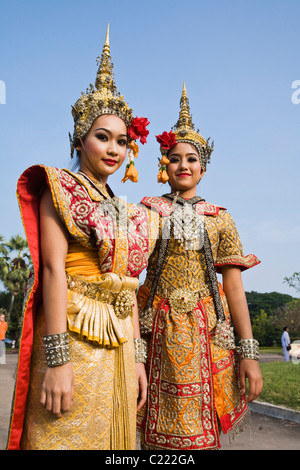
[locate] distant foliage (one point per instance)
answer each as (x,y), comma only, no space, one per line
(293,281)
(269,302)
(269,313)
(15,266)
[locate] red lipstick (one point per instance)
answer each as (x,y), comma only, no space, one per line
(110,162)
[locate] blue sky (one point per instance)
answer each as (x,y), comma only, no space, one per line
(238,59)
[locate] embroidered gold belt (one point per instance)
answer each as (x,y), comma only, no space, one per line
(166,292)
(109,288)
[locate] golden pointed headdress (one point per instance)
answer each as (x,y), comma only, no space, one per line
(103,98)
(183,131)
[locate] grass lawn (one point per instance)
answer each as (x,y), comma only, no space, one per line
(270,350)
(281,384)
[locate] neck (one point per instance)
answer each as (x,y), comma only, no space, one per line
(103,188)
(187,194)
(94,176)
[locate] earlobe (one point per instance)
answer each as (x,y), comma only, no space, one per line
(80,146)
(201,175)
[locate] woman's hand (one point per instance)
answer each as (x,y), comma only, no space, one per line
(249,369)
(58,389)
(142,384)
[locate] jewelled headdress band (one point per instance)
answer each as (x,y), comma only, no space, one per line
(103,98)
(183,131)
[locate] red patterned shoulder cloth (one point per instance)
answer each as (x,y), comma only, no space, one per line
(165,206)
(73,203)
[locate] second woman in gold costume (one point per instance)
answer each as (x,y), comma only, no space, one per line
(197,379)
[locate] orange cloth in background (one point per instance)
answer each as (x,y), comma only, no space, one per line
(3,328)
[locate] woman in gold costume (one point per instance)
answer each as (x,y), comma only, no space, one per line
(81,375)
(196,374)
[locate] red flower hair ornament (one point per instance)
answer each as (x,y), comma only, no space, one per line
(167,141)
(136,130)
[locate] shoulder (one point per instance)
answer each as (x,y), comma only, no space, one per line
(59,180)
(158,204)
(73,183)
(210,209)
(39,175)
(164,206)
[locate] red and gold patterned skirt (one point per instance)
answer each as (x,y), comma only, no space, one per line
(193,384)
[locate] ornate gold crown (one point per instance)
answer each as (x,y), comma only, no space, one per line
(184,131)
(103,98)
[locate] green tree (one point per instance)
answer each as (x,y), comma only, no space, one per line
(289,315)
(293,281)
(3,259)
(14,323)
(14,266)
(263,329)
(269,302)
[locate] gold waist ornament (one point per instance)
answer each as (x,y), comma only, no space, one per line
(109,288)
(183,300)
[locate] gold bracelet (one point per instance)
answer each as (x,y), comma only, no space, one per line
(140,348)
(249,349)
(57,349)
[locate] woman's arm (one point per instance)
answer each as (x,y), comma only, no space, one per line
(139,366)
(58,385)
(236,297)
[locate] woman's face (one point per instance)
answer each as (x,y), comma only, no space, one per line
(184,169)
(104,147)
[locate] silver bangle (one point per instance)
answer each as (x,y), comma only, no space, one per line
(140,348)
(57,349)
(249,349)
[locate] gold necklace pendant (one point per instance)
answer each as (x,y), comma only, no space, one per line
(183,301)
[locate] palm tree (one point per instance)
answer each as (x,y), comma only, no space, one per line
(14,266)
(3,259)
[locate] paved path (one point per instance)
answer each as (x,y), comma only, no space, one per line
(265,433)
(7,381)
(270,358)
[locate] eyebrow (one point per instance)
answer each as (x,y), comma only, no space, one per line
(108,131)
(179,155)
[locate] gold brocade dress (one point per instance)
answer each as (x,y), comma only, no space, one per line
(106,253)
(193,382)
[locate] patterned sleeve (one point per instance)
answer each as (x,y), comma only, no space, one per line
(72,204)
(147,223)
(230,249)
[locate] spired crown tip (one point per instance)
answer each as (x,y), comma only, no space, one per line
(105,76)
(185,130)
(185,118)
(107,35)
(106,44)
